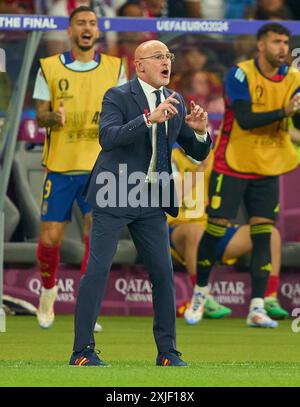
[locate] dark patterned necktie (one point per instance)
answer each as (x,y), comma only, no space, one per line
(162,153)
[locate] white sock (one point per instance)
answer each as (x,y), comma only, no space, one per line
(202,290)
(256,303)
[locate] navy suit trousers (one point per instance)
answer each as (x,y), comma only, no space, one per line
(149,231)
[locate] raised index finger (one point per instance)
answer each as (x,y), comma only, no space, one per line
(172,98)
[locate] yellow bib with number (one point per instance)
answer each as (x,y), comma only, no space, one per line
(265,150)
(194,201)
(75,146)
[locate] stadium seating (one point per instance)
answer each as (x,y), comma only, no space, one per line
(15,252)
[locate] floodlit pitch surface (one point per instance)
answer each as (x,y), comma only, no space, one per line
(220,353)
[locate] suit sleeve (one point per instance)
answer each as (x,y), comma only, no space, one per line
(114,130)
(198,150)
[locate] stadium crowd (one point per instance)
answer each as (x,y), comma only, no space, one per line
(232,9)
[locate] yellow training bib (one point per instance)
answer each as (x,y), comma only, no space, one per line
(75,146)
(266,150)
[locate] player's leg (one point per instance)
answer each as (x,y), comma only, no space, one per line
(261,200)
(56,207)
(185,239)
(241,244)
(48,255)
(225,195)
(86,212)
(272,305)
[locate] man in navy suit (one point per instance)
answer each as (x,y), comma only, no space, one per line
(140,121)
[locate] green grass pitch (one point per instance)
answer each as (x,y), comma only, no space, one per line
(220,353)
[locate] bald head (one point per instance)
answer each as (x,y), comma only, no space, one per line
(149,48)
(152,63)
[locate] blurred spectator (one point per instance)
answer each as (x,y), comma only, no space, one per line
(293,5)
(205,89)
(271,10)
(131,8)
(102,9)
(212,9)
(128,41)
(113,4)
(184,8)
(195,59)
(154,8)
(106,8)
(58,41)
(238,8)
(13,42)
(245,47)
(17,7)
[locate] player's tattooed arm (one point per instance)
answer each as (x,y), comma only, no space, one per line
(48,118)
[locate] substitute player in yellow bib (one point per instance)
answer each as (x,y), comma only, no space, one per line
(187,230)
(252,150)
(69,91)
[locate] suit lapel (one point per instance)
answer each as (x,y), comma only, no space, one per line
(139,95)
(141,100)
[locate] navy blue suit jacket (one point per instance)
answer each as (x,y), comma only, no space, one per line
(125,138)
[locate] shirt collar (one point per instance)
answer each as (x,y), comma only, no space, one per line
(148,89)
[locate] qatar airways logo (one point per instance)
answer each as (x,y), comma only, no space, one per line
(65,289)
(228,292)
(134,290)
(292,292)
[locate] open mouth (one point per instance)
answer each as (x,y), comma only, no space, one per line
(86,36)
(165,73)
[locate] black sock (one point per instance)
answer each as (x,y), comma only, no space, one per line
(260,266)
(207,252)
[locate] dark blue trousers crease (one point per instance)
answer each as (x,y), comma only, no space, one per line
(149,231)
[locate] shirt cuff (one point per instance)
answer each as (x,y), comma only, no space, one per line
(201,137)
(147,122)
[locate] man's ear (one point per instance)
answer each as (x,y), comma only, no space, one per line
(260,45)
(139,66)
(69,31)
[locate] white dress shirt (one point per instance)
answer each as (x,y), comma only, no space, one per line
(151,99)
